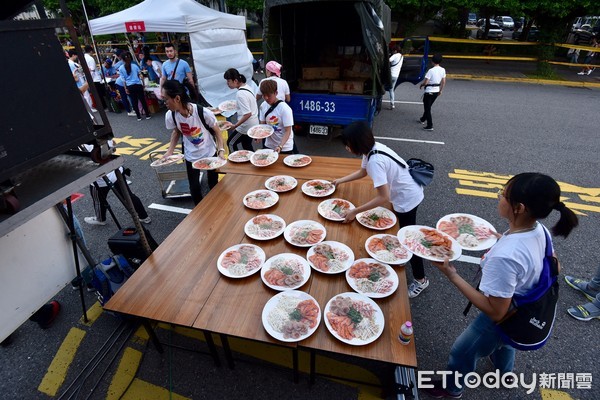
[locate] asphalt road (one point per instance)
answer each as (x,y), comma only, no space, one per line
(482,130)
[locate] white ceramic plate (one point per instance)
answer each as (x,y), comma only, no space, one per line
(261,131)
(473,233)
(264,227)
(228,105)
(240,156)
(372,278)
(264,157)
(224,125)
(378,218)
(280,316)
(281,183)
(261,199)
(333,316)
(286,271)
(296,233)
(318,188)
(241,260)
(209,163)
(330,257)
(172,159)
(215,111)
(297,160)
(387,249)
(411,237)
(341,206)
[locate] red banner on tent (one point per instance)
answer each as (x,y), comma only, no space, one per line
(135,26)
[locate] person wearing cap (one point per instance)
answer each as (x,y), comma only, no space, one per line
(273,72)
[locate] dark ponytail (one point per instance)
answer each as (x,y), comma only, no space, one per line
(234,75)
(540,194)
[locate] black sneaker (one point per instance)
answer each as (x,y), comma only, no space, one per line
(428,128)
(421,121)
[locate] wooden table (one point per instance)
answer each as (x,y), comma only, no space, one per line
(180,284)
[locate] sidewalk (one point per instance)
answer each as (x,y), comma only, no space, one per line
(516,71)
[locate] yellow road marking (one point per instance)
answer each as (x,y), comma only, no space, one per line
(125,373)
(548,394)
(57,371)
(141,390)
(140,336)
(93,313)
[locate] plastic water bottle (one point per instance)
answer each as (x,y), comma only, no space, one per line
(406,332)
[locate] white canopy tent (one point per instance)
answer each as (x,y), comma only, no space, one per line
(218,40)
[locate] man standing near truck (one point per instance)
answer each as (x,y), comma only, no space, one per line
(277,114)
(435,80)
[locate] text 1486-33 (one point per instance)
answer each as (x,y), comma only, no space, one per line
(312,105)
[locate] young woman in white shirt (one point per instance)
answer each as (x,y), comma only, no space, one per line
(247,113)
(198,141)
(393,184)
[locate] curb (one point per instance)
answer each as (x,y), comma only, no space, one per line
(524,80)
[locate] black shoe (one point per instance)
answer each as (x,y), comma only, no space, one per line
(421,121)
(52,314)
(428,128)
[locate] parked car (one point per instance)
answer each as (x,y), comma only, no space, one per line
(495,32)
(505,22)
(532,37)
(583,35)
(472,19)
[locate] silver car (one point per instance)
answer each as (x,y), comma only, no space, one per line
(494,33)
(506,22)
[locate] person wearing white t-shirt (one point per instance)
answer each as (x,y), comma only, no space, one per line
(395,66)
(435,80)
(194,130)
(96,74)
(393,184)
(513,266)
(278,114)
(273,72)
(247,111)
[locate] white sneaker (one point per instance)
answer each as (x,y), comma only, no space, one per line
(94,221)
(94,110)
(146,220)
(589,71)
(581,73)
(416,287)
(131,114)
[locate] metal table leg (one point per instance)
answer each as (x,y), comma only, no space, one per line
(227,351)
(152,335)
(295,364)
(313,371)
(211,347)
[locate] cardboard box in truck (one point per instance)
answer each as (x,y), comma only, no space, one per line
(320,73)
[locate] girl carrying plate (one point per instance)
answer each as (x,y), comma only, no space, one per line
(247,111)
(393,184)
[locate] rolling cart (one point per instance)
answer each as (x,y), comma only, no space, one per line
(172,178)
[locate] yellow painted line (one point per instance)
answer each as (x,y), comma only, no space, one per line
(499,58)
(525,80)
(140,336)
(188,332)
(141,390)
(548,394)
(93,313)
(57,371)
(125,373)
(147,149)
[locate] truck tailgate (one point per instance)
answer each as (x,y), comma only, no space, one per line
(332,109)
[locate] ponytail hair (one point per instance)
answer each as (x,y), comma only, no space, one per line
(540,194)
(174,88)
(234,75)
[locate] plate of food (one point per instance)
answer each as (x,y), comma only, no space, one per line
(264,157)
(264,227)
(260,199)
(387,249)
(291,316)
(354,318)
(304,233)
(209,163)
(224,125)
(215,111)
(372,278)
(240,156)
(281,183)
(241,260)
(330,257)
(334,209)
(429,243)
(261,131)
(228,105)
(286,271)
(297,160)
(378,218)
(172,159)
(470,231)
(318,188)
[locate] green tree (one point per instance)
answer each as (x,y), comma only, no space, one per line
(253,7)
